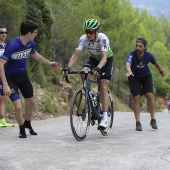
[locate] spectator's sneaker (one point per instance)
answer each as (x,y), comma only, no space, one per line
(138,126)
(22,133)
(153,124)
(27,125)
(3,123)
(103,123)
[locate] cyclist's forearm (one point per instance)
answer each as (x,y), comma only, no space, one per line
(72,61)
(103,60)
(74,58)
(102,63)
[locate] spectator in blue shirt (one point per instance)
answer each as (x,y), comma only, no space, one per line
(140,79)
(14,75)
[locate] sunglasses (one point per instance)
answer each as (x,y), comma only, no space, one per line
(89,32)
(3,32)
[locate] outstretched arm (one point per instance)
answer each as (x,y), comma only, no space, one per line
(53,65)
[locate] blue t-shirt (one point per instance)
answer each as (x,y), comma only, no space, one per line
(16,54)
(140,67)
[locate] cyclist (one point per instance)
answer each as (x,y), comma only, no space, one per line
(14,75)
(3,35)
(100,60)
(140,79)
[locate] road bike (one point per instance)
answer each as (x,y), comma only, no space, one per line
(86,108)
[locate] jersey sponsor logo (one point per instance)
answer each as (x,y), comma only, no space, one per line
(98,46)
(104,41)
(105,47)
(79,42)
(21,55)
(91,48)
(130,59)
(12,91)
(1,52)
(140,65)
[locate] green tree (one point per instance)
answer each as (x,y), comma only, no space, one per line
(39,12)
(11,15)
(166,27)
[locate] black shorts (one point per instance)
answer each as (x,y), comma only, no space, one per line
(21,82)
(140,86)
(106,71)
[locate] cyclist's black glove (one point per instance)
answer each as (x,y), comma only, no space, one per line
(97,69)
(66,69)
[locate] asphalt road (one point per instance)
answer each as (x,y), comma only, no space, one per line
(56,149)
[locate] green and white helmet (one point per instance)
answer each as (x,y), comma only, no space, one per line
(91,24)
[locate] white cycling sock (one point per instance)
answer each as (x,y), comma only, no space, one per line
(105,115)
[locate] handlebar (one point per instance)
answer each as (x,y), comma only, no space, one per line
(78,72)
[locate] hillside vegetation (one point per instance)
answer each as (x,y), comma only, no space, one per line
(60,26)
(153,7)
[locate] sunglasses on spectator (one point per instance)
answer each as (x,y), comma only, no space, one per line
(89,32)
(3,32)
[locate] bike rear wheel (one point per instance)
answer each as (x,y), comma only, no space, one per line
(79,116)
(110,116)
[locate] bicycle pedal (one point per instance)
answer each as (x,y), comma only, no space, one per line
(92,122)
(101,128)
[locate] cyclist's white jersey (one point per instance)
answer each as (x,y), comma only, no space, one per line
(102,44)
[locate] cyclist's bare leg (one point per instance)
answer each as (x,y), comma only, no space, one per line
(29,104)
(105,98)
(151,104)
(18,111)
(136,107)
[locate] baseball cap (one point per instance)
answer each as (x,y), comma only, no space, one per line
(141,40)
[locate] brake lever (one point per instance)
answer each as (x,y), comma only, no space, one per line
(65,77)
(67,80)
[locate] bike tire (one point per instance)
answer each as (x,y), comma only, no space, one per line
(79,120)
(110,117)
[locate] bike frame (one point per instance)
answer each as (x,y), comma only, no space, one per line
(82,115)
(95,108)
(88,93)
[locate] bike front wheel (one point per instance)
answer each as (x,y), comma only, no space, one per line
(79,115)
(110,116)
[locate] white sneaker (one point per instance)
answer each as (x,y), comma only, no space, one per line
(103,123)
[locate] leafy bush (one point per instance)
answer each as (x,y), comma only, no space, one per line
(162,89)
(49,105)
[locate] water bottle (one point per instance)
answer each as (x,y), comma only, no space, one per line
(94,106)
(95,101)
